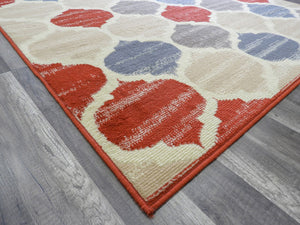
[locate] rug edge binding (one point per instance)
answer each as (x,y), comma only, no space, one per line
(150,210)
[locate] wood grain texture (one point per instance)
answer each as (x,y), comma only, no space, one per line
(12,208)
(3,66)
(9,55)
(287,113)
(228,199)
(53,186)
(181,210)
(269,155)
(269,174)
(294,97)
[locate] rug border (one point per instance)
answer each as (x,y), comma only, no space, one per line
(150,209)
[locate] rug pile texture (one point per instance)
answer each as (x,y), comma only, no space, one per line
(159,88)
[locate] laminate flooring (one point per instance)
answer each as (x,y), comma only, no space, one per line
(49,174)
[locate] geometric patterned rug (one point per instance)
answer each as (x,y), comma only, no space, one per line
(159,88)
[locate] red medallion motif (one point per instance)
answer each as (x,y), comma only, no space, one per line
(141,114)
(236,114)
(82,17)
(74,84)
(6,2)
(186,13)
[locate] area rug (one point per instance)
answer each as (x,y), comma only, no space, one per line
(159,88)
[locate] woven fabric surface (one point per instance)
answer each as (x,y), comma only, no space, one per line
(159,88)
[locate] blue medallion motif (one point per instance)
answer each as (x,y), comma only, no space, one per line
(178,2)
(270,10)
(269,46)
(136,58)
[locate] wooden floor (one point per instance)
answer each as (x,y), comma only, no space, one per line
(49,174)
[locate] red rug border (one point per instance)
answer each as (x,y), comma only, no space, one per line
(150,209)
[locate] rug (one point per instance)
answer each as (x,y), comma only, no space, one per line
(159,88)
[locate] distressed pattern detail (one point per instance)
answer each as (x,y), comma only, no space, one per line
(171,115)
(134,58)
(223,5)
(269,46)
(136,7)
(159,87)
(74,84)
(82,17)
(187,13)
(270,10)
(201,36)
(178,2)
(6,2)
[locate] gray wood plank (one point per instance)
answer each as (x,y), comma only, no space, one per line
(9,55)
(227,199)
(3,66)
(278,140)
(288,114)
(271,173)
(181,210)
(294,96)
(14,210)
(53,187)
(268,156)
